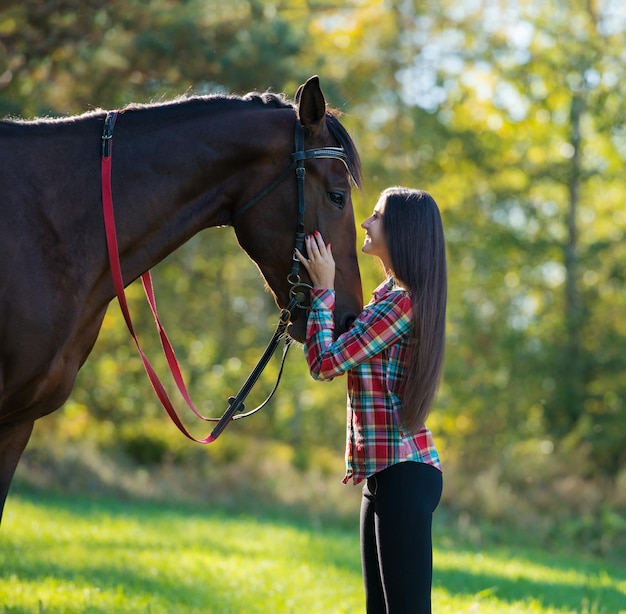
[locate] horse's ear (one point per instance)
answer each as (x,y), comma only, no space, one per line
(311,105)
(298,93)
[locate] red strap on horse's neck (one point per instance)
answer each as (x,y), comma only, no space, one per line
(118,283)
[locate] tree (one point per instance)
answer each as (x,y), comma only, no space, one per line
(67,56)
(535,125)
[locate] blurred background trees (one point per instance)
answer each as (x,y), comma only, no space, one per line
(512,114)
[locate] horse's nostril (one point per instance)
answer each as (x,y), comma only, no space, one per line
(348,322)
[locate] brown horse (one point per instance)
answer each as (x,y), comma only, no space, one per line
(178,168)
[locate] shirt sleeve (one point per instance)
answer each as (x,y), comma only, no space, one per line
(380,325)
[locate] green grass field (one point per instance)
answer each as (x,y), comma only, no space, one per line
(65,555)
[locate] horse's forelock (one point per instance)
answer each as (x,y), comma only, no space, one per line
(345,140)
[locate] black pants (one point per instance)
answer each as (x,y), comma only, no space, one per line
(396,538)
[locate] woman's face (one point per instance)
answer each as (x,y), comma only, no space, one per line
(375,243)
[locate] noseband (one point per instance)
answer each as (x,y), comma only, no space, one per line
(297,287)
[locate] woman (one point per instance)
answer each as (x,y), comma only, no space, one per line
(393,357)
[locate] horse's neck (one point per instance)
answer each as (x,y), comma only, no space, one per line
(176,180)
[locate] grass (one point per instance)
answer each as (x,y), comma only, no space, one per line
(61,554)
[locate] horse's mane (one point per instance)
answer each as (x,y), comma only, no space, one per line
(272,101)
(268,100)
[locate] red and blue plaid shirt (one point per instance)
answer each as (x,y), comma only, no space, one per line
(373,352)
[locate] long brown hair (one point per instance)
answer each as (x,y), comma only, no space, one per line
(415,243)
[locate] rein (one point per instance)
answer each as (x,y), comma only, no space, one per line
(297,289)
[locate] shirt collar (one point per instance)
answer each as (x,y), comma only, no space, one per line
(383,289)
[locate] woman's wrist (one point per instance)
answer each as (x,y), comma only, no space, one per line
(324,285)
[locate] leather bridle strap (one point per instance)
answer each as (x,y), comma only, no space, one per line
(298,157)
(118,283)
(235,404)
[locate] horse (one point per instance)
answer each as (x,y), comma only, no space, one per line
(179,167)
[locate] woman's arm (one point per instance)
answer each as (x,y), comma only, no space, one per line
(380,324)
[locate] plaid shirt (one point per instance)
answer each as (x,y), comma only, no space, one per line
(373,352)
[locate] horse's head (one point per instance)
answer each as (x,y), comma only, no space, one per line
(267,231)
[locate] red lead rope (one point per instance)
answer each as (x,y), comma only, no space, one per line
(118,283)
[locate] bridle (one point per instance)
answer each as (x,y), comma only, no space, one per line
(297,288)
(298,157)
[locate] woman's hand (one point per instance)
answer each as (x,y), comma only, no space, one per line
(320,264)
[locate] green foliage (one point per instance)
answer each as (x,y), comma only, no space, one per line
(107,54)
(144,449)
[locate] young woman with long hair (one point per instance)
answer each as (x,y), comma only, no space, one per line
(393,357)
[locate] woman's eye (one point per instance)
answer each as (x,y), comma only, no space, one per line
(337,199)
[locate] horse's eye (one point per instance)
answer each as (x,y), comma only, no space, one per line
(337,199)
